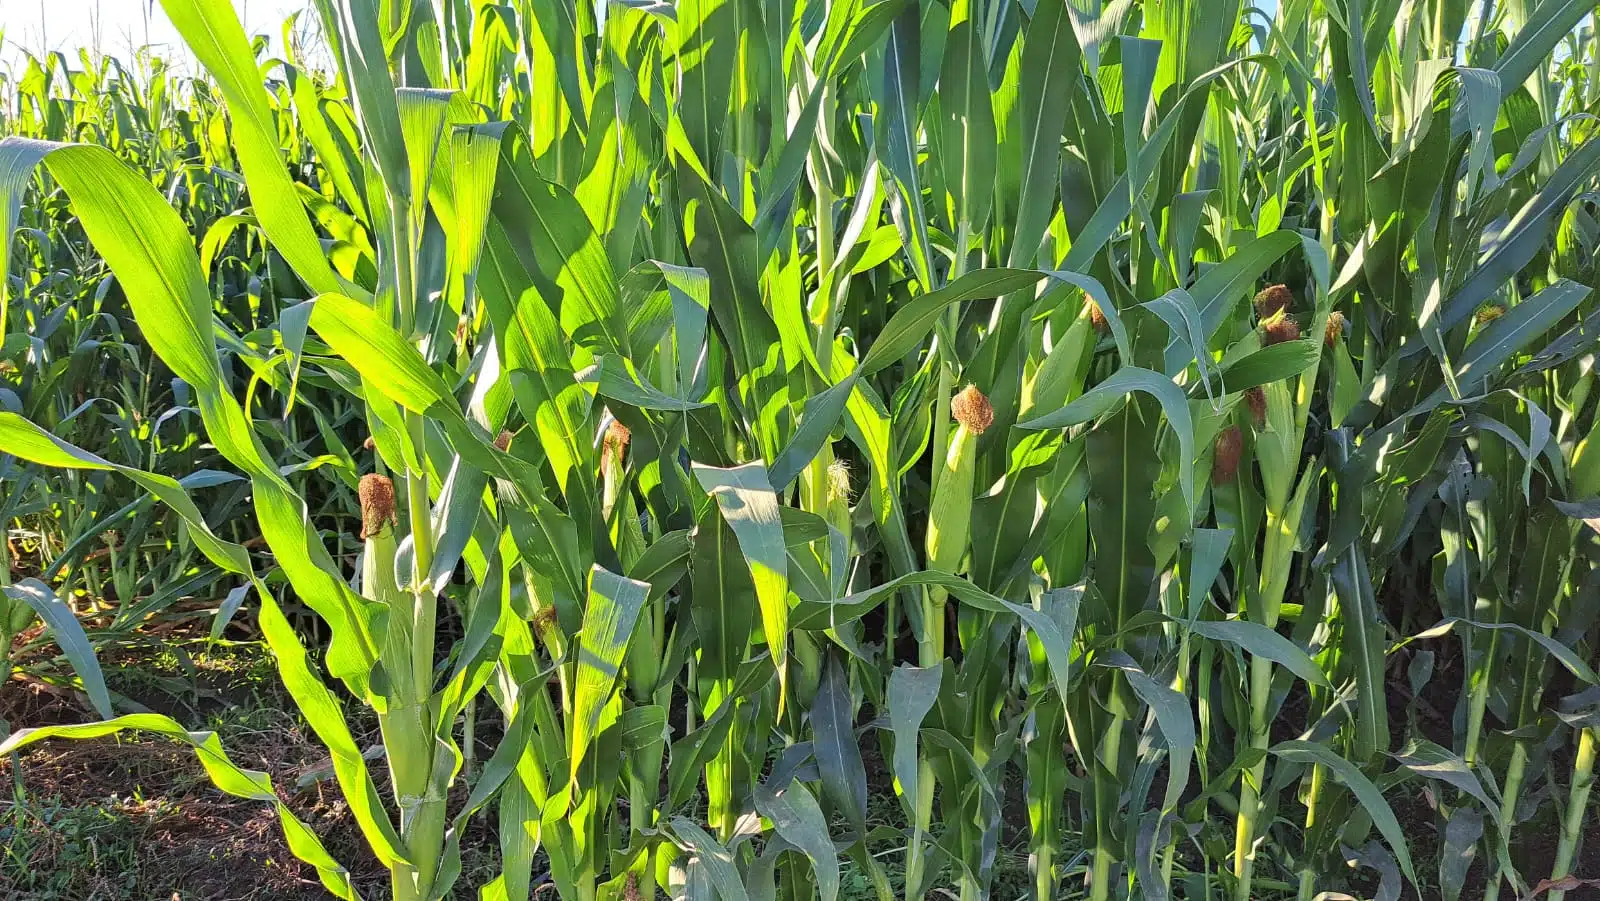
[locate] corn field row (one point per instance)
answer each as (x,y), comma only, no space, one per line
(722,442)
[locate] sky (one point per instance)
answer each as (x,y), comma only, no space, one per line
(116,26)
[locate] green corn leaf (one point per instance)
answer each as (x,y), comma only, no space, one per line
(1461,835)
(821,415)
(895,133)
(1363,632)
(464,190)
(708,33)
(1117,203)
(692,752)
(481,644)
(723,599)
(664,562)
(613,190)
(352,30)
(911,695)
(642,726)
(967,127)
(1522,236)
(1563,654)
(716,859)
(1051,57)
(615,378)
(1513,331)
(1172,715)
(864,34)
(537,359)
(149,249)
(19,157)
(750,508)
(1103,397)
(1176,308)
(322,712)
(1260,641)
(791,160)
(1054,629)
(545,224)
(359,334)
(838,755)
(1210,551)
(1368,794)
(22,438)
(455,516)
(212,31)
(1545,27)
(608,620)
(1274,363)
(337,157)
(1225,284)
(797,818)
(497,771)
(1427,759)
(977,778)
(69,635)
(761,876)
(913,322)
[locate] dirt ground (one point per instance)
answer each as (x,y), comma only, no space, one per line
(135,817)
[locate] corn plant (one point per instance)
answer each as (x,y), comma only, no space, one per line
(75,362)
(1102,409)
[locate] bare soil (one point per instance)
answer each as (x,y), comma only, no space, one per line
(135,816)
